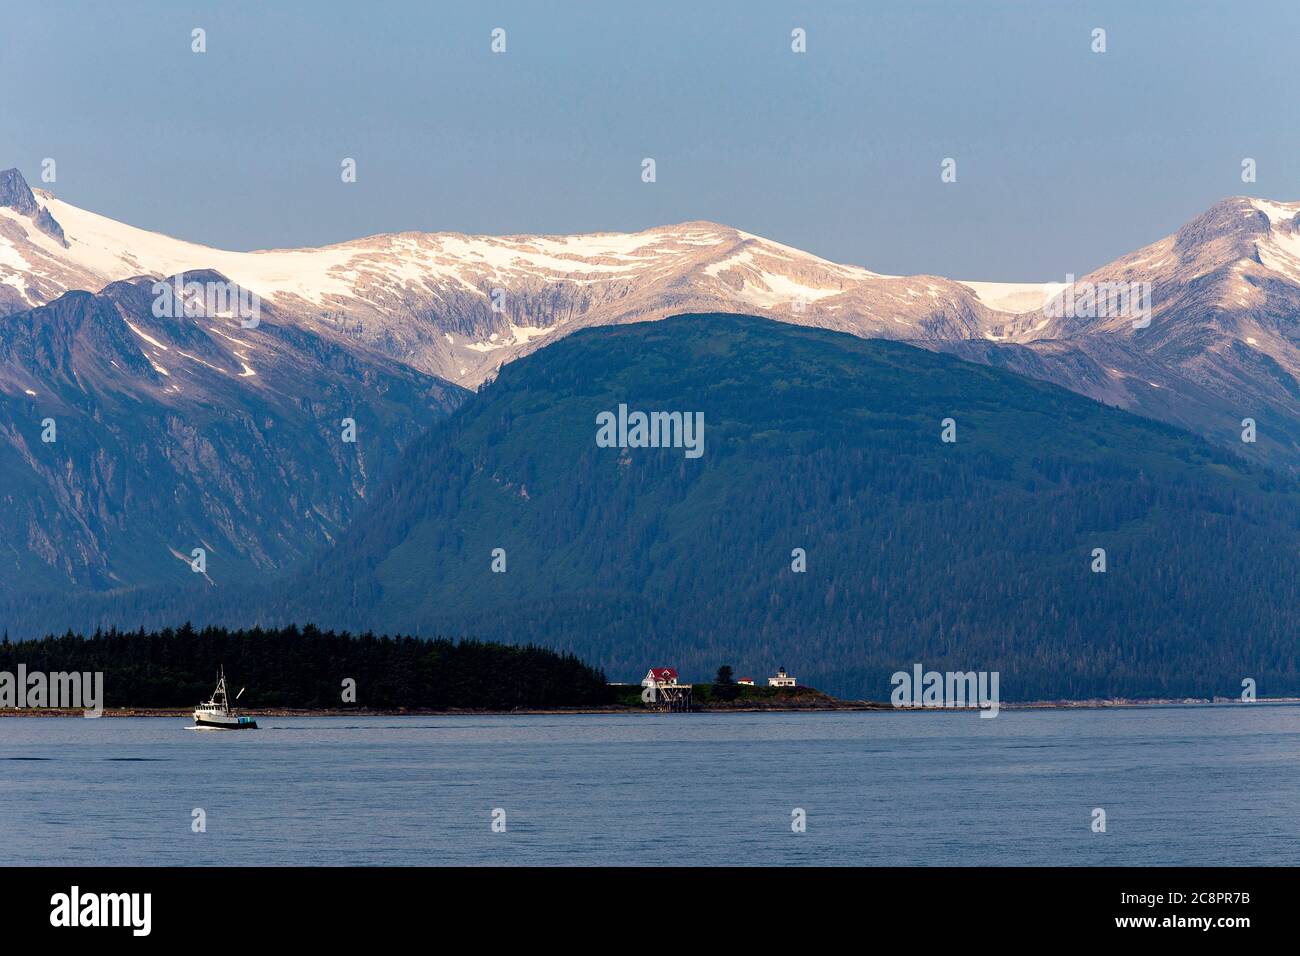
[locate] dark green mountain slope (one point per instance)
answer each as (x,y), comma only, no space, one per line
(972,556)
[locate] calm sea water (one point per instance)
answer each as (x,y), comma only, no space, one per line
(1180,785)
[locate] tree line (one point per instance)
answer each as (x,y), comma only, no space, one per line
(307,667)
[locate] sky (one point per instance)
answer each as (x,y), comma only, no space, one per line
(1065,158)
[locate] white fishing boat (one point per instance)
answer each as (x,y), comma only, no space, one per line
(216,714)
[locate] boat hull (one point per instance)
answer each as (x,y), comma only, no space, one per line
(233,723)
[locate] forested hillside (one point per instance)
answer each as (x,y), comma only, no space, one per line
(975,554)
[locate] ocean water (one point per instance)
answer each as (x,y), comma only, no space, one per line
(1179,784)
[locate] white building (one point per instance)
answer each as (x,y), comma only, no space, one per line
(782,679)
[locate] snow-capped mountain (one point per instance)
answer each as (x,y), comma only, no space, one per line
(460,306)
(129,439)
(1219,343)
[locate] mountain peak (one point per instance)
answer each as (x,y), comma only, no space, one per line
(15,193)
(1242,228)
(1232,220)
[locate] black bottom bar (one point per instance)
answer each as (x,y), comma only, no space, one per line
(970,906)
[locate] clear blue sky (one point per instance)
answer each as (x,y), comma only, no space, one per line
(1066,158)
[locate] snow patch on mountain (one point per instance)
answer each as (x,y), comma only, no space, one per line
(1280,249)
(1015,297)
(148,338)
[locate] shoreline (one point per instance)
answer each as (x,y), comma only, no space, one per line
(823,707)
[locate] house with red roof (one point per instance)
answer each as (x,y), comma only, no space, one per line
(660,677)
